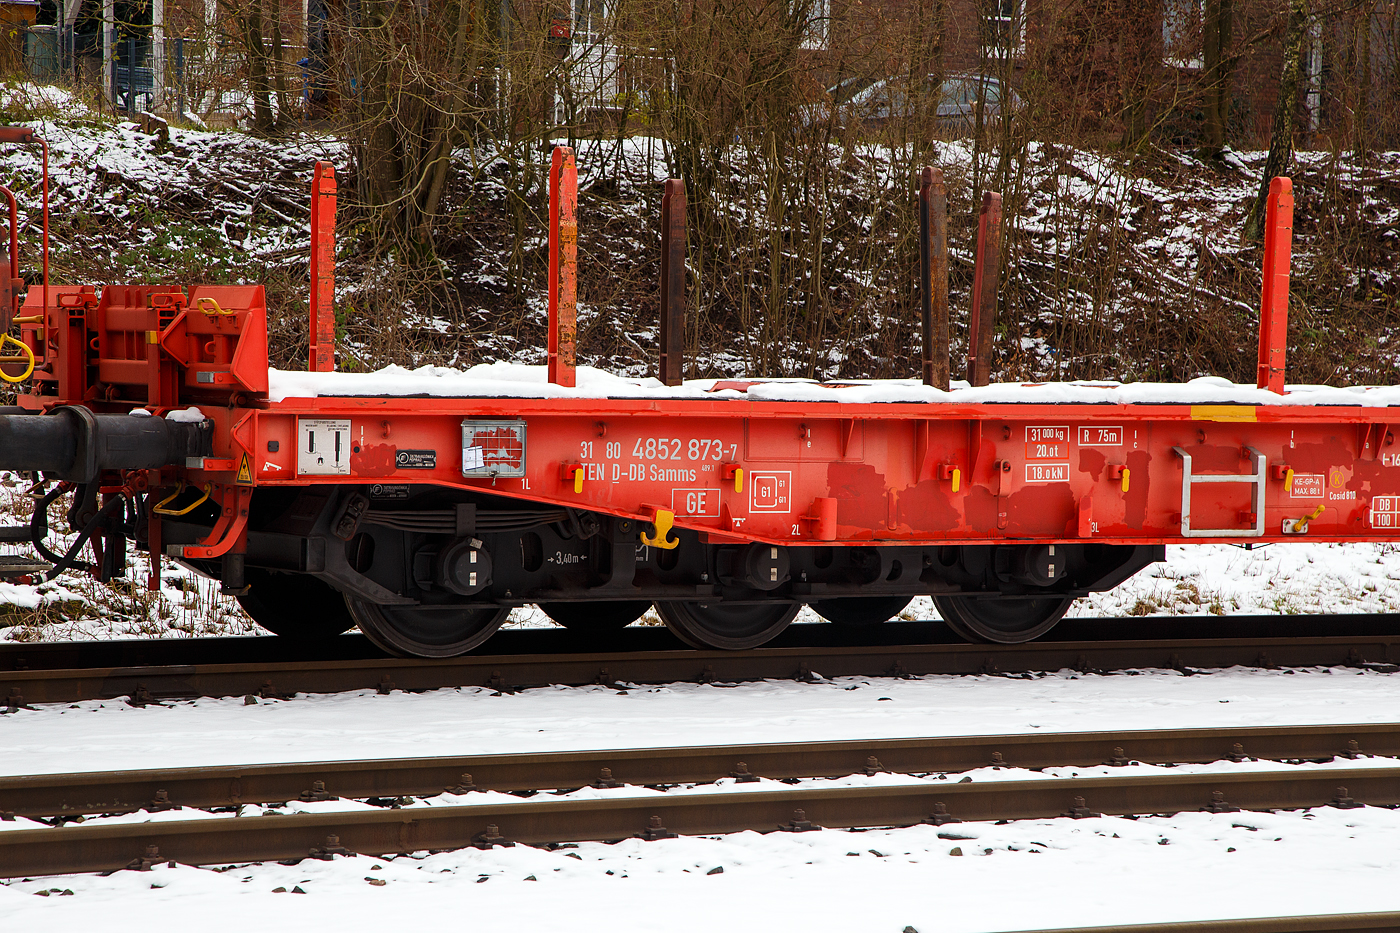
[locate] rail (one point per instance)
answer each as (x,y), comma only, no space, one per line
(645,656)
(546,819)
(71,795)
(1378,922)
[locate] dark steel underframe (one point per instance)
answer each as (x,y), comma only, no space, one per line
(338,535)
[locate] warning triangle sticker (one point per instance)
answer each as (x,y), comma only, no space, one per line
(245,472)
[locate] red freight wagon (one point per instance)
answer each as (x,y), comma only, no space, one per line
(424,505)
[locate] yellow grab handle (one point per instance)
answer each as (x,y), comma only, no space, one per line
(28,359)
(160,507)
(211,307)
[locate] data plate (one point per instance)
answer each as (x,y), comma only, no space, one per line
(493,449)
(323,447)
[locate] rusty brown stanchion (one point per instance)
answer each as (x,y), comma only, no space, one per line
(563,266)
(672,336)
(933,275)
(983,313)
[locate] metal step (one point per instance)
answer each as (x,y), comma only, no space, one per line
(14,533)
(18,565)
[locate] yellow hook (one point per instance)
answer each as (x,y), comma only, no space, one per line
(663,521)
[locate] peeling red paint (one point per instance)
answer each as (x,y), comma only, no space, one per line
(373,460)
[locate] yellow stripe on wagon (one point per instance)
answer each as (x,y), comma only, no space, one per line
(1223,413)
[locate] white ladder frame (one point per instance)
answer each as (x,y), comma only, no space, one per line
(1255,479)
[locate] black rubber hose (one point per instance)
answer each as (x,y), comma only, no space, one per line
(39,529)
(70,559)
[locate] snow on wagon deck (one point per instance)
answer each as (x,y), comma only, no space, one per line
(514,380)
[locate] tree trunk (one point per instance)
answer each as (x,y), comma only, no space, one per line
(1290,86)
(1362,126)
(279,70)
(377,138)
(249,20)
(1218,26)
(1139,67)
(465,49)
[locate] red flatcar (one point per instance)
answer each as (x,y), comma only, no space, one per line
(423,506)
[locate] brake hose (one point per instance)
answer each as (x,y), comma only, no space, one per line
(70,559)
(39,528)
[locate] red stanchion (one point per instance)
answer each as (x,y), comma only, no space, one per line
(321,352)
(1273,303)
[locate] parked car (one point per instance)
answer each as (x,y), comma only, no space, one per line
(951,103)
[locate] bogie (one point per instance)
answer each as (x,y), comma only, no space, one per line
(295,606)
(434,571)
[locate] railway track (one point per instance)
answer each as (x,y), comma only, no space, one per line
(1377,922)
(547,818)
(69,795)
(148,671)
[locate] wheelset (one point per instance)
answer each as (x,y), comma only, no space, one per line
(1002,620)
(728,627)
(425,631)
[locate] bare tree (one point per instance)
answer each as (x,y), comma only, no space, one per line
(1219,61)
(250,24)
(1290,88)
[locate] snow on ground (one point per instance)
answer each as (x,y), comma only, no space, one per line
(107,169)
(161,204)
(1285,579)
(1023,875)
(100,735)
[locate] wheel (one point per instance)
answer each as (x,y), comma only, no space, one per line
(602,618)
(860,610)
(295,605)
(1002,620)
(732,628)
(424,631)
